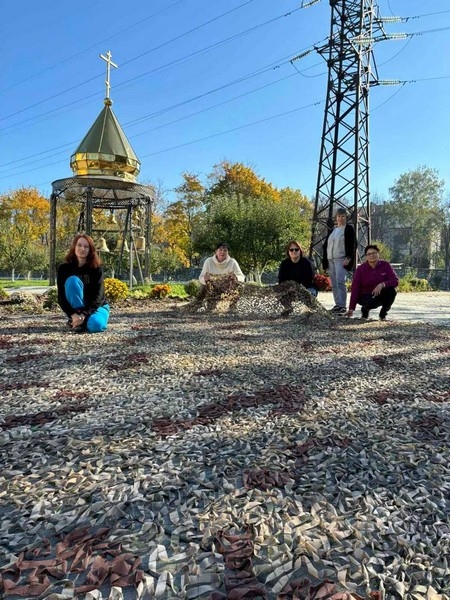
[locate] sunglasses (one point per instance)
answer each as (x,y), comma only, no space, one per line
(294,249)
(371,253)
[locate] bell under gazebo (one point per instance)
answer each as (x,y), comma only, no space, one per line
(105,169)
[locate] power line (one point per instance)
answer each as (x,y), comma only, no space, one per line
(132,59)
(395,82)
(271,66)
(96,45)
(153,129)
(186,33)
(132,80)
(214,135)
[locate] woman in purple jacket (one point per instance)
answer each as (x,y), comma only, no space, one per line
(373,285)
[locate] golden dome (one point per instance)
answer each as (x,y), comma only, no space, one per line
(105,149)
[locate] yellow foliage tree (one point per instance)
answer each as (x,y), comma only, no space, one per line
(24,225)
(236,178)
(180,217)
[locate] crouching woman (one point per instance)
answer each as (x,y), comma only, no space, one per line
(81,290)
(373,285)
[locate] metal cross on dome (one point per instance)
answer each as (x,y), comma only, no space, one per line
(109,64)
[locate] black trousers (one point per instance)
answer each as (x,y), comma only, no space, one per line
(385,299)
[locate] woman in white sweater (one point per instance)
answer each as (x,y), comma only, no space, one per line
(220,264)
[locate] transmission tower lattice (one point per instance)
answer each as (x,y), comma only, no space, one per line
(343,176)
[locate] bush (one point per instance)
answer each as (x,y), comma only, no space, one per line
(140,293)
(160,290)
(115,290)
(410,283)
(192,288)
(3,294)
(50,298)
(420,285)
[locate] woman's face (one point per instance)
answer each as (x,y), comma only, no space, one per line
(81,250)
(294,253)
(372,256)
(341,220)
(221,253)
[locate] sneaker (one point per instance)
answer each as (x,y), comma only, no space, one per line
(364,312)
(335,308)
(383,315)
(341,311)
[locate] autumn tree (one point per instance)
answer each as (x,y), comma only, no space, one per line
(24,224)
(236,178)
(180,217)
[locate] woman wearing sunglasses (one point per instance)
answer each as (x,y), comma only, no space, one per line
(296,267)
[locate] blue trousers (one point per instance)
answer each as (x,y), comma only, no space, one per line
(338,275)
(74,290)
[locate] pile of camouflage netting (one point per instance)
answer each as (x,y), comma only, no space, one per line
(222,294)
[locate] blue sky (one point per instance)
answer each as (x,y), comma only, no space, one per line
(196,85)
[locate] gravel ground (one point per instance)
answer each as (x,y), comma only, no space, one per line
(226,455)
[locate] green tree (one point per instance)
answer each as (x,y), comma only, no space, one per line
(415,210)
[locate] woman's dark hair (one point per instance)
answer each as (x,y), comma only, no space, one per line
(92,259)
(288,245)
(373,246)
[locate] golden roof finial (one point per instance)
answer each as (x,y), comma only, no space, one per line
(109,64)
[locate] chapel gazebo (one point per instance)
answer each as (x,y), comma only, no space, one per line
(105,169)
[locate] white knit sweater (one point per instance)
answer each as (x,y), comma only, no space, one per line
(214,267)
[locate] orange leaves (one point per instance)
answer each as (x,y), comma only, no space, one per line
(240,179)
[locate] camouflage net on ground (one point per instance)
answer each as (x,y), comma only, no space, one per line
(223,294)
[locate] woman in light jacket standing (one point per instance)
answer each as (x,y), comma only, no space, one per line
(338,257)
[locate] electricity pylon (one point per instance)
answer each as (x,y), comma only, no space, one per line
(343,176)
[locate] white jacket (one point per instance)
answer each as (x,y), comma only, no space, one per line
(214,267)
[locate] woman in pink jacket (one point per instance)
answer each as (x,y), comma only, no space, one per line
(373,285)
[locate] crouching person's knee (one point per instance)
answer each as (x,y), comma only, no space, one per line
(98,321)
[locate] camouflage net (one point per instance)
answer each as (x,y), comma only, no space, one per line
(223,294)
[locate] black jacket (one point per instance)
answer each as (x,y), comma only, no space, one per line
(301,272)
(350,246)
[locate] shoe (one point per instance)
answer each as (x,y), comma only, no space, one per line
(335,308)
(383,315)
(341,311)
(364,312)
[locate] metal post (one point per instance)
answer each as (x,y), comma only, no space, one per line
(52,255)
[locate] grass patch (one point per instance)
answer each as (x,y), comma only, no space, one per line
(177,290)
(18,283)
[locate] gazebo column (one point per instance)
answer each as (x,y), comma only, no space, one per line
(52,257)
(147,234)
(88,215)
